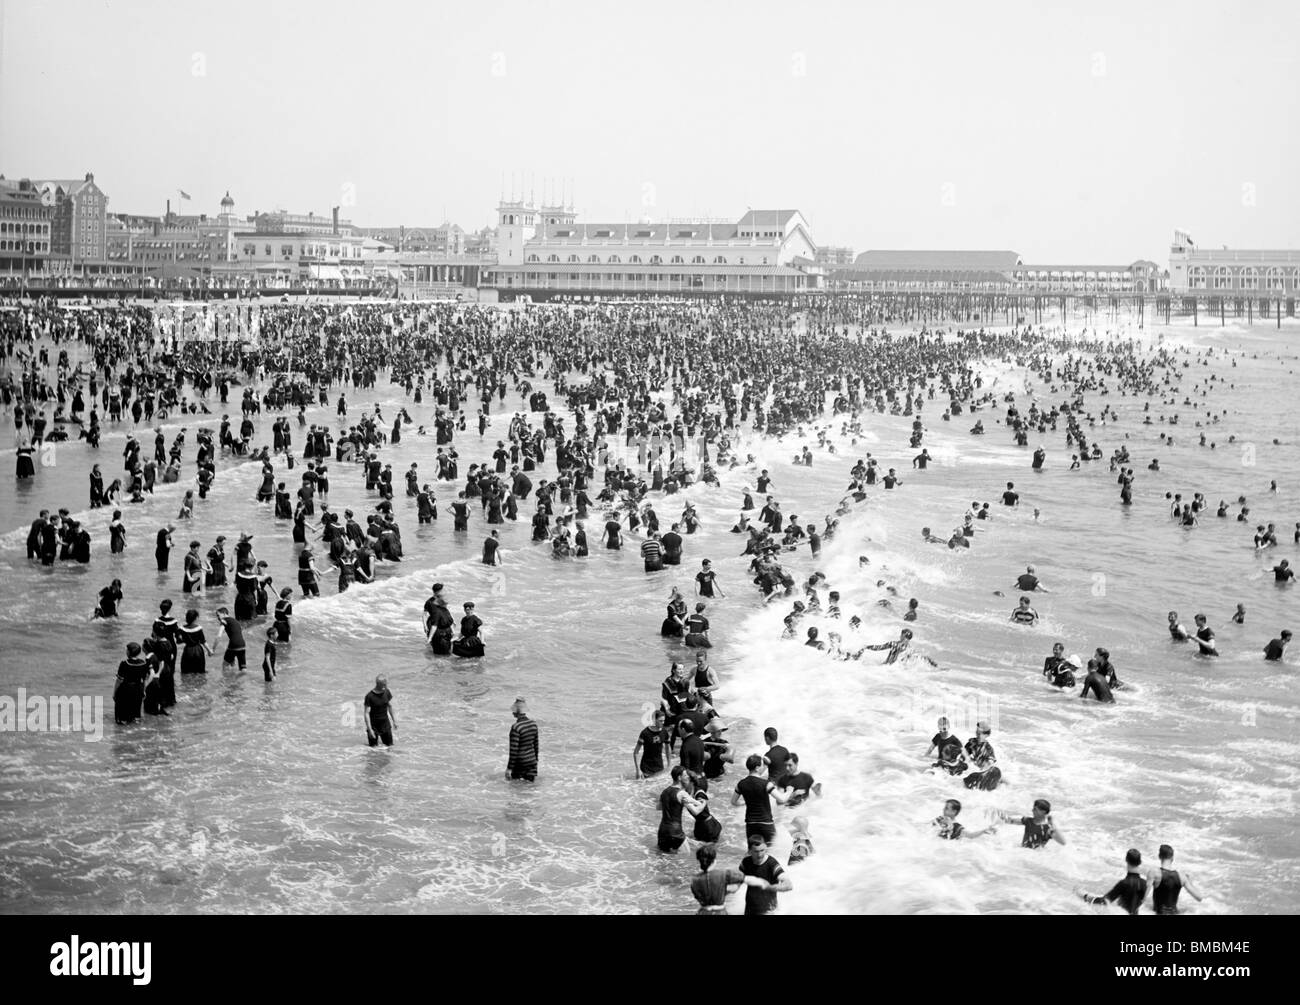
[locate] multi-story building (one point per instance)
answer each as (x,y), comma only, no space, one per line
(546,251)
(24,229)
(275,259)
(79,222)
(1233,271)
(446,239)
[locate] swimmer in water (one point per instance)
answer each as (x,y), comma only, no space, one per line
(1167,884)
(899,648)
(1095,682)
(1130,891)
(1273,651)
(1176,630)
(1039,828)
(1028,582)
(947,827)
(1024,614)
(1058,669)
(1205,637)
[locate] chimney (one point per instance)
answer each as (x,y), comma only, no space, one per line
(336,221)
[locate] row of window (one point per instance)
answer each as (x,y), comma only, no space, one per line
(24,228)
(636,260)
(636,277)
(1246,278)
(680,280)
(319,250)
(37,246)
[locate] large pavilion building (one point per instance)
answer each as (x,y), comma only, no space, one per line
(990,272)
(1232,271)
(544,251)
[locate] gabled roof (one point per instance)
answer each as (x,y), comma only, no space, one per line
(767,218)
(70,185)
(937,261)
(919,275)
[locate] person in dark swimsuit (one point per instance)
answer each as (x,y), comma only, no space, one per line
(1167,884)
(117,534)
(1058,669)
(671,800)
(1129,891)
(128,692)
(439,627)
(1097,684)
(379,718)
(648,754)
(470,643)
(1039,828)
(674,621)
(308,575)
(711,886)
(109,597)
(196,644)
(192,581)
(245,593)
(696,628)
(283,611)
(165,633)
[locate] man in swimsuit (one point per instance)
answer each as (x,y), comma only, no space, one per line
(799,782)
(671,800)
(761,899)
(1058,668)
(1273,651)
(1039,828)
(706,581)
(378,715)
(987,775)
(236,649)
(1024,614)
(1096,683)
(1167,884)
(1028,582)
(757,792)
(648,754)
(523,744)
(1129,891)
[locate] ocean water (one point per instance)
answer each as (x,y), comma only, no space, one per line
(264,798)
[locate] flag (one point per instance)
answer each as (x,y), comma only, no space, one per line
(184,194)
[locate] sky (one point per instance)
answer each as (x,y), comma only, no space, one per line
(1081,133)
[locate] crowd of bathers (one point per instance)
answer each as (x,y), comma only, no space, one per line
(659,397)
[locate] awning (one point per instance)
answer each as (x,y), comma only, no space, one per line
(326,272)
